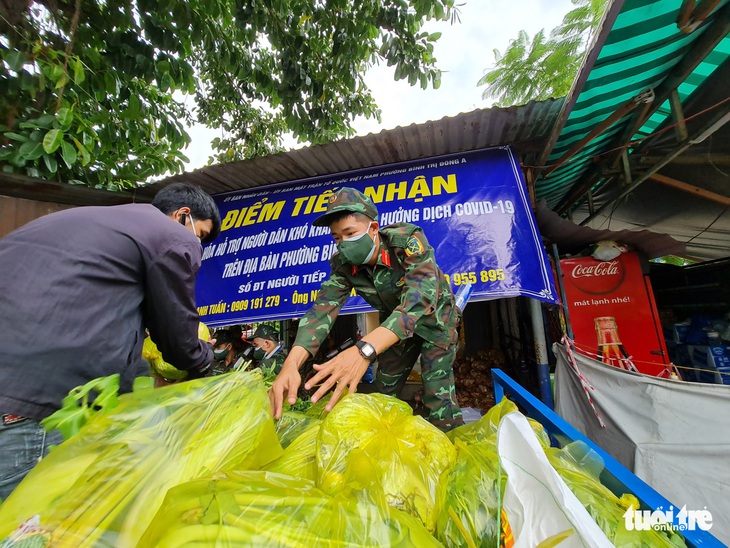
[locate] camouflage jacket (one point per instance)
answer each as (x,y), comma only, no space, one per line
(405,285)
(275,362)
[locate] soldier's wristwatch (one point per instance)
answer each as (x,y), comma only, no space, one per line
(367,350)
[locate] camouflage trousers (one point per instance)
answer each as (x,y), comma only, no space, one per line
(439,394)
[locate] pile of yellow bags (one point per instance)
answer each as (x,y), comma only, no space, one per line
(202,463)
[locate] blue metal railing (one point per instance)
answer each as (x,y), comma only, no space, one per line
(615,476)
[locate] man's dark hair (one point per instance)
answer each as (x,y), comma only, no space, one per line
(202,207)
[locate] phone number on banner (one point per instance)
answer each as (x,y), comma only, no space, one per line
(463,278)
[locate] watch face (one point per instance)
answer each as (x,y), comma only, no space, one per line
(366,349)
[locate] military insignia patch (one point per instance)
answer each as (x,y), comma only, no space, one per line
(414,246)
(333,198)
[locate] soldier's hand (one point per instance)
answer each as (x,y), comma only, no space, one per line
(346,369)
(286,385)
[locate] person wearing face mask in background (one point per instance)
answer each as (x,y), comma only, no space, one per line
(225,352)
(91,280)
(394,270)
(269,352)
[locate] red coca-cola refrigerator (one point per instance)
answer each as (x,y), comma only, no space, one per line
(613,313)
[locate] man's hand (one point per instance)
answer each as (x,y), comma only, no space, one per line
(346,369)
(286,386)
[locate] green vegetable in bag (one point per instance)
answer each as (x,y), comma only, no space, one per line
(580,467)
(300,457)
(104,485)
(372,444)
(470,513)
(266,509)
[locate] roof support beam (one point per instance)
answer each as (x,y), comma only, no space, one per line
(689,159)
(720,118)
(609,18)
(699,51)
(620,112)
(680,129)
(685,11)
(692,189)
(701,12)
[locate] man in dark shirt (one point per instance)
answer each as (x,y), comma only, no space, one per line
(77,290)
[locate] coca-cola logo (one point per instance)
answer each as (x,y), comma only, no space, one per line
(597,277)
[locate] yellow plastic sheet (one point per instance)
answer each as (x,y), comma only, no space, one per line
(102,487)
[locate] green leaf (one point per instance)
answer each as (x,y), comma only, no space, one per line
(80,405)
(62,80)
(85,156)
(65,117)
(52,140)
(166,82)
(31,150)
(68,153)
(78,68)
(15,60)
(134,107)
(51,163)
(16,136)
(143,384)
(111,83)
(45,121)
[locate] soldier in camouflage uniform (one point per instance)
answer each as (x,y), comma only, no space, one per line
(394,270)
(270,352)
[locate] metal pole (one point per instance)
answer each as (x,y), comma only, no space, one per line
(561,287)
(543,369)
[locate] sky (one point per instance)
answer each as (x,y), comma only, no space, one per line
(463,53)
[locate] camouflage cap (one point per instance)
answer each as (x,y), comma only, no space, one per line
(266,332)
(347,199)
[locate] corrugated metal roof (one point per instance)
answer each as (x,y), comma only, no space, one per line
(525,127)
(639,53)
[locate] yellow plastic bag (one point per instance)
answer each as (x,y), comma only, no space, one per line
(487,426)
(291,425)
(372,444)
(300,456)
(158,365)
(103,486)
(470,513)
(580,468)
(265,509)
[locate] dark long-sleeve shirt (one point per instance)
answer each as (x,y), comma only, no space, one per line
(78,288)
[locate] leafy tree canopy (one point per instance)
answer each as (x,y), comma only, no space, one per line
(541,67)
(100,92)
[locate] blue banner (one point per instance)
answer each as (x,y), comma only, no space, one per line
(269,260)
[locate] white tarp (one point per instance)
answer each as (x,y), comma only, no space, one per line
(674,435)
